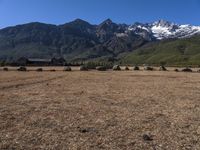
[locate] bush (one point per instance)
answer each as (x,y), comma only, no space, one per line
(52,70)
(39,70)
(126,68)
(148,68)
(136,68)
(116,68)
(187,70)
(93,65)
(22,69)
(162,68)
(101,68)
(5,69)
(67,68)
(176,70)
(83,68)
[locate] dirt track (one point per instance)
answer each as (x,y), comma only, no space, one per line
(99,110)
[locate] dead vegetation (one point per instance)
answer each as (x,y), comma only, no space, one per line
(116,68)
(148,68)
(22,68)
(99,110)
(136,68)
(176,70)
(162,68)
(39,70)
(187,69)
(83,68)
(67,68)
(5,69)
(52,70)
(101,68)
(127,68)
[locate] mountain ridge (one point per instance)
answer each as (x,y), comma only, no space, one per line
(80,40)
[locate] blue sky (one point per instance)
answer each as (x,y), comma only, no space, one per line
(13,12)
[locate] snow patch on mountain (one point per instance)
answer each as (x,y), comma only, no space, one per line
(164,29)
(160,32)
(144,28)
(121,35)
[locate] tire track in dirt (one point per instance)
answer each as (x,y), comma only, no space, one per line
(21,85)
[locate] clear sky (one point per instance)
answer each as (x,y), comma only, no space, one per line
(13,12)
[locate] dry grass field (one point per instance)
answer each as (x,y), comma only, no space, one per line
(100,110)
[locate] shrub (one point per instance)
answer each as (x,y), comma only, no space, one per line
(148,68)
(5,69)
(91,65)
(83,68)
(116,68)
(162,68)
(52,70)
(67,68)
(101,68)
(126,68)
(136,68)
(39,70)
(187,69)
(176,70)
(22,68)
(94,64)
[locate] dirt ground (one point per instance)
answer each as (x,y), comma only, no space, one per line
(141,110)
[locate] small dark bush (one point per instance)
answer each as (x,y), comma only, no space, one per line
(101,68)
(136,68)
(148,68)
(67,68)
(5,69)
(187,70)
(83,68)
(126,68)
(176,70)
(162,68)
(22,68)
(52,70)
(39,70)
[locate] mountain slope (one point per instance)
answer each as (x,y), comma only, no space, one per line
(75,40)
(80,40)
(176,52)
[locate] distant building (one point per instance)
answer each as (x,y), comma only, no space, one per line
(23,61)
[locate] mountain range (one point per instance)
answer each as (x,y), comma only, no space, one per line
(81,41)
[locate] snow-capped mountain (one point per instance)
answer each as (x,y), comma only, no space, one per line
(164,29)
(80,40)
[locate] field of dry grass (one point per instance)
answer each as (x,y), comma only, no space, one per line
(100,110)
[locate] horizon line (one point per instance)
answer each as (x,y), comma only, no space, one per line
(58,24)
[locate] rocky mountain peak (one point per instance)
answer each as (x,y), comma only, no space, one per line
(107,21)
(163,23)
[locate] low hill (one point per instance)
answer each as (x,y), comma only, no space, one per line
(171,52)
